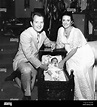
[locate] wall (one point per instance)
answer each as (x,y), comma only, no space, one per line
(21,12)
(81,22)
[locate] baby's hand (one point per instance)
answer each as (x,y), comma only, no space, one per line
(49,72)
(55,78)
(58,72)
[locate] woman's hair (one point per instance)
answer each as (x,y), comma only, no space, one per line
(68,14)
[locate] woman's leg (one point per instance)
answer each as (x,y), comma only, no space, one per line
(92,82)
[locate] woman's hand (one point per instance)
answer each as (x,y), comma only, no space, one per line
(61,64)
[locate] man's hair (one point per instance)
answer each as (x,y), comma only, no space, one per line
(36,13)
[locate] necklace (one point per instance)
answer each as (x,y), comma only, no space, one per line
(67,32)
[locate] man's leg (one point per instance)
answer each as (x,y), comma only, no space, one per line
(26,71)
(33,74)
(13,75)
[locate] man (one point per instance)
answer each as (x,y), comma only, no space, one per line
(26,59)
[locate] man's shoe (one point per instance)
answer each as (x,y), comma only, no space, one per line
(9,78)
(26,97)
(13,75)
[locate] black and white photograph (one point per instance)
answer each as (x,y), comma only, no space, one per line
(48,52)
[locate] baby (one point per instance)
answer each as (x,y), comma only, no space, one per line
(54,73)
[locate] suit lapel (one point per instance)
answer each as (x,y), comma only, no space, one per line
(41,39)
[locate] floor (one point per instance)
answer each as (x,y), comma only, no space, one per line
(10,90)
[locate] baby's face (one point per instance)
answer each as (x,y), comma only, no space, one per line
(54,61)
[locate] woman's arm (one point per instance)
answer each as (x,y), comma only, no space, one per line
(59,43)
(69,55)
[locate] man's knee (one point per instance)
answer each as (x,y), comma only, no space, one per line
(29,71)
(34,73)
(26,70)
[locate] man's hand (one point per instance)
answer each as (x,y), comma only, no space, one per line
(53,45)
(44,67)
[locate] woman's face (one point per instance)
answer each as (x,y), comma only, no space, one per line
(66,21)
(38,23)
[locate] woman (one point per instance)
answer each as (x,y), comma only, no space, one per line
(79,58)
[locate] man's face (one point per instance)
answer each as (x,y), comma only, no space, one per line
(38,23)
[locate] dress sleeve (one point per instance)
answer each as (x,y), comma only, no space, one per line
(78,39)
(60,40)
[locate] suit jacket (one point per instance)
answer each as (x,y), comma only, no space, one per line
(29,47)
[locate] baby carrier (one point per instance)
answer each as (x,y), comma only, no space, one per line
(55,90)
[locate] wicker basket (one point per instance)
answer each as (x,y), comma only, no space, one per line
(55,90)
